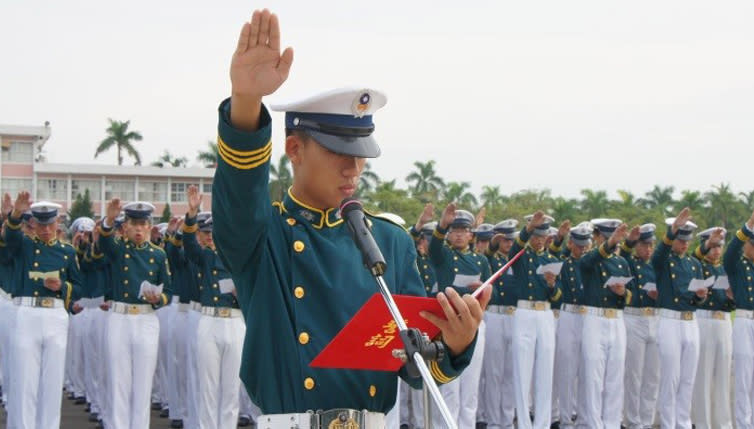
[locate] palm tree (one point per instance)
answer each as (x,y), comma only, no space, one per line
(722,204)
(563,209)
(694,200)
(457,191)
(660,198)
(627,198)
(368,180)
(491,197)
(167,160)
(595,203)
(425,178)
(209,157)
(281,178)
(119,136)
(747,198)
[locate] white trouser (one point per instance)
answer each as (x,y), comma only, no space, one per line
(176,365)
(93,351)
(567,358)
(192,383)
(405,402)
(603,351)
(132,344)
(160,388)
(393,417)
(678,341)
(554,408)
(642,371)
(38,367)
(498,393)
(743,359)
(469,383)
(219,342)
(417,408)
(75,353)
(711,398)
(533,359)
(245,406)
(7,320)
(103,321)
(450,393)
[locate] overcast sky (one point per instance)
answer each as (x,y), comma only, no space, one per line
(561,95)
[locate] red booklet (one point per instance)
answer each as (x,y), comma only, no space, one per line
(368,340)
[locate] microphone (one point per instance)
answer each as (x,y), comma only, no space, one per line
(352,212)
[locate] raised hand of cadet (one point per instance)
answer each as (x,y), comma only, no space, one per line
(634,234)
(536,220)
(22,204)
(463,314)
(565,227)
(172,225)
(7,204)
(619,235)
(113,210)
(448,215)
(479,219)
(680,220)
(76,240)
(194,199)
(53,284)
(715,237)
(425,217)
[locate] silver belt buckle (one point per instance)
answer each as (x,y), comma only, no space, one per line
(341,418)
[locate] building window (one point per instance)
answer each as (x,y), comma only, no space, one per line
(153,191)
(206,188)
(81,186)
(14,186)
(178,191)
(52,189)
(123,189)
(20,152)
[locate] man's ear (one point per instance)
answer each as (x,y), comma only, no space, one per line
(294,149)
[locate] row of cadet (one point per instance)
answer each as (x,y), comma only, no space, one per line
(596,325)
(127,316)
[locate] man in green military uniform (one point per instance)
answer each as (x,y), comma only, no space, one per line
(298,274)
(738,262)
(711,398)
(140,284)
(458,266)
(46,279)
(422,234)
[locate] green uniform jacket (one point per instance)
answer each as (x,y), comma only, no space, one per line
(33,258)
(503,290)
(186,275)
(132,264)
(674,273)
(211,268)
(740,270)
(643,273)
(449,263)
(299,279)
(571,282)
(531,286)
(597,266)
(716,299)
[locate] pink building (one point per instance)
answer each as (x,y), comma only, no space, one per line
(21,169)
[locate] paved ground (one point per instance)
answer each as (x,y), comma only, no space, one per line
(74,417)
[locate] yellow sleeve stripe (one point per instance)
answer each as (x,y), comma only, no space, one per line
(557,295)
(96,255)
(190,229)
(164,299)
(245,166)
(225,151)
(603,252)
(667,241)
(105,233)
(555,248)
(698,253)
(629,295)
(741,236)
(520,242)
(11,226)
(625,247)
(68,293)
(439,235)
(242,153)
(437,374)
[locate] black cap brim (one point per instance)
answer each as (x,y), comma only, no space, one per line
(360,147)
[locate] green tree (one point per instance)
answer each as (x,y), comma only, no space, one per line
(458,192)
(368,180)
(694,200)
(166,214)
(747,198)
(595,203)
(209,157)
(722,206)
(660,198)
(81,206)
(425,180)
(281,178)
(491,197)
(119,136)
(168,160)
(563,209)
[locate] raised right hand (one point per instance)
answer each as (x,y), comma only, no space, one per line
(680,220)
(113,210)
(194,199)
(427,214)
(448,215)
(22,204)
